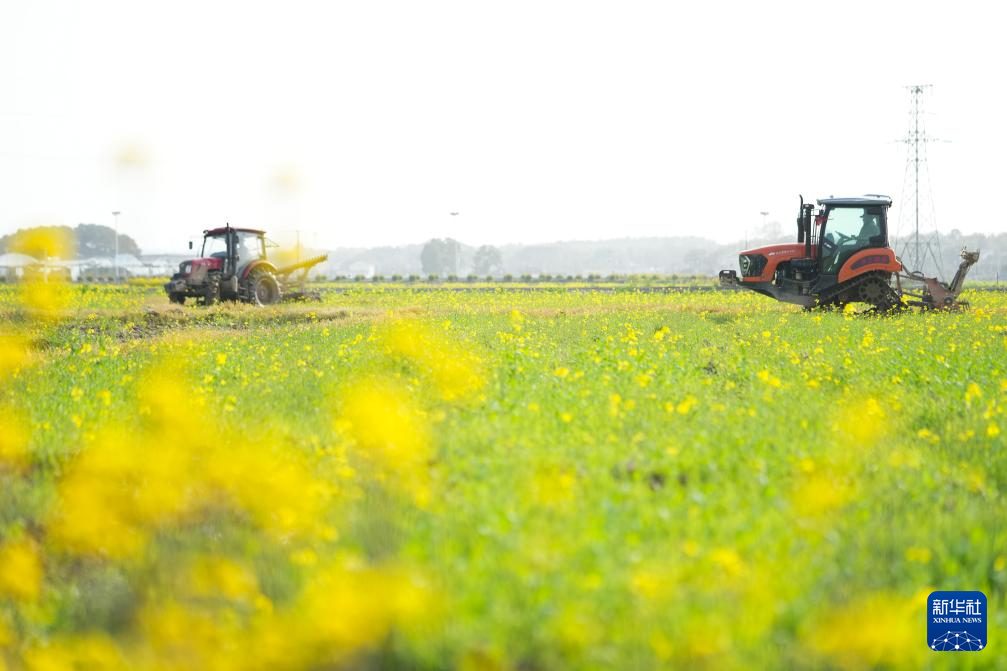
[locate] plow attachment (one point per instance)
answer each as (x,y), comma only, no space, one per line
(293,277)
(934,294)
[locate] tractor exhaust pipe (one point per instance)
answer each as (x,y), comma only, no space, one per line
(800,220)
(804,226)
(807,230)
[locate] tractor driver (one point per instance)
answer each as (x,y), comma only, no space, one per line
(870,228)
(243,252)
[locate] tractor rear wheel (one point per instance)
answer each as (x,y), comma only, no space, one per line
(265,290)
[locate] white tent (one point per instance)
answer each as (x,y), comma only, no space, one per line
(13,260)
(13,266)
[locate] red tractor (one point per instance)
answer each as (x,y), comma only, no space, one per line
(842,256)
(233,266)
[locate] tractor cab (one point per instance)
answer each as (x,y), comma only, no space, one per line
(235,248)
(846,226)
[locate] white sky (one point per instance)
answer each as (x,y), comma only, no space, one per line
(364,123)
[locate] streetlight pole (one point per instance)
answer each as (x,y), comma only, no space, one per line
(115,258)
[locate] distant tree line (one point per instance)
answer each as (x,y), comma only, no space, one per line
(681,255)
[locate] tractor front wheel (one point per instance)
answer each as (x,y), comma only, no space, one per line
(177,299)
(212,294)
(265,290)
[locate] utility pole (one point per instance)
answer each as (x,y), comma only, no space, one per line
(115,246)
(916,140)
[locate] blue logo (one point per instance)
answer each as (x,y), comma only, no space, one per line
(956,621)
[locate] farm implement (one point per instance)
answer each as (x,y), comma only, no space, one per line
(233,266)
(842,256)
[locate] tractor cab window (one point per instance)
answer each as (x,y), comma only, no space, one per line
(250,247)
(848,230)
(215,247)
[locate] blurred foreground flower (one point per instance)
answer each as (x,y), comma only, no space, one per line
(173,469)
(116,494)
(44,295)
(20,570)
(390,431)
(13,441)
(13,354)
(222,538)
(894,637)
(45,242)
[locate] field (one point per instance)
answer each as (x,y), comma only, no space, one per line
(494,480)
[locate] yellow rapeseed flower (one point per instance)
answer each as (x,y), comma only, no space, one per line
(553,486)
(455,370)
(728,560)
(893,640)
(820,493)
(769,378)
(114,491)
(13,354)
(389,429)
(654,580)
(20,570)
(348,606)
(46,297)
(13,441)
(860,423)
(75,653)
(211,576)
(44,242)
(275,487)
(6,640)
(686,405)
(972,392)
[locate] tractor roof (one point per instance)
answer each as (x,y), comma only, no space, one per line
(221,231)
(856,201)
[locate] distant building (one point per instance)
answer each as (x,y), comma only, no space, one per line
(14,267)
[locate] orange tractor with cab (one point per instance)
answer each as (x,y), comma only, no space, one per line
(842,256)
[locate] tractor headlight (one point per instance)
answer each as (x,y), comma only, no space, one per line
(185,268)
(752,265)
